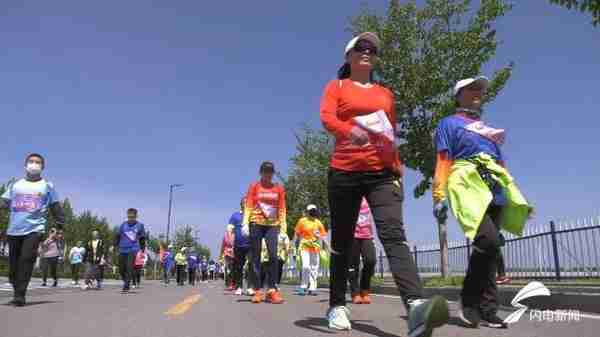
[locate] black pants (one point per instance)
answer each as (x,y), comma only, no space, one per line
(385,195)
(137,275)
(280,264)
(191,276)
(49,264)
(500,264)
(270,234)
(126,262)
(75,268)
(366,249)
(180,274)
(228,271)
(21,259)
(204,275)
(240,254)
(479,288)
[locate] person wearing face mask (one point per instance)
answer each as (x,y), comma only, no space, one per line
(310,234)
(29,200)
(265,218)
(471,177)
(361,115)
(130,238)
(94,255)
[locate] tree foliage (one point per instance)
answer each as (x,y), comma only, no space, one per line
(425,52)
(586,6)
(307,180)
(184,237)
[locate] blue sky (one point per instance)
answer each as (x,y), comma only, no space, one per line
(127,97)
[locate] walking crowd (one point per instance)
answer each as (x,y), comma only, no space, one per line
(365,194)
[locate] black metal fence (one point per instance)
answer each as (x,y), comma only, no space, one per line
(557,250)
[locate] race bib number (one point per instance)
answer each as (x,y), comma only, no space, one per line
(495,135)
(269,211)
(27,202)
(131,235)
(382,131)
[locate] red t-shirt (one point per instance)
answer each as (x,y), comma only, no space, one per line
(342,101)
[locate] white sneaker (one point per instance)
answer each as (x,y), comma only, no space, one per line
(238,292)
(250,292)
(73,283)
(339,318)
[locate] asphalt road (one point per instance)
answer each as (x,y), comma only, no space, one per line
(205,310)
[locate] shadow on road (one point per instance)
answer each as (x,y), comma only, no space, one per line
(244,301)
(320,325)
(33,303)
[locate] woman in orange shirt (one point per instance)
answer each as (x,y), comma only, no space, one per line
(264,218)
(361,115)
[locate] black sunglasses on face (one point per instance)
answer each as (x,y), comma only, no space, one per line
(364,46)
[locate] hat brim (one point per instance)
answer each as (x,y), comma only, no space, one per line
(369,36)
(483,81)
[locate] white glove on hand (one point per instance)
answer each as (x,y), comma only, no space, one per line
(245,230)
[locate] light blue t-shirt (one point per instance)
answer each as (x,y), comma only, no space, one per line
(29,204)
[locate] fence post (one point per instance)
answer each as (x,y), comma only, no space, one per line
(468,250)
(555,250)
(416,260)
(381,263)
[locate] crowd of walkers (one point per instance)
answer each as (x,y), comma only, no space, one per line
(365,194)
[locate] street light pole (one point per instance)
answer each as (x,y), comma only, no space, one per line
(170,206)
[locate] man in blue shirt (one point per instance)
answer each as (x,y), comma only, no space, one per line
(129,239)
(29,201)
(192,261)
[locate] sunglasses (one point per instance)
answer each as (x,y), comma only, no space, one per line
(364,46)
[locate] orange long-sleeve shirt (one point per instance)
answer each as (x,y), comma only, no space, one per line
(341,102)
(443,165)
(266,206)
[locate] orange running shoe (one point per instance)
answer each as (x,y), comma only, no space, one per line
(258,297)
(366,299)
(274,297)
(357,298)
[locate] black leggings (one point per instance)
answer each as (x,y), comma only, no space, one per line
(180,274)
(126,261)
(191,276)
(366,249)
(49,264)
(21,259)
(479,287)
(137,275)
(75,271)
(384,193)
(240,254)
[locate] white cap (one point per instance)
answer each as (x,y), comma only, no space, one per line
(482,80)
(311,207)
(170,245)
(372,37)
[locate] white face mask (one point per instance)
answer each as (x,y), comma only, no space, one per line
(33,169)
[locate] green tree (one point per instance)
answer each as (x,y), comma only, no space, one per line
(306,182)
(184,237)
(425,52)
(4,213)
(586,6)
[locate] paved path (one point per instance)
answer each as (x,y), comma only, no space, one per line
(158,311)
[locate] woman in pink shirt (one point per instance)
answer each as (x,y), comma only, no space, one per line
(228,257)
(362,247)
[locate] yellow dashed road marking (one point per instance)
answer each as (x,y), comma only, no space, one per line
(184,306)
